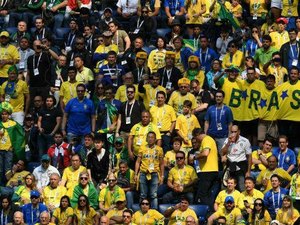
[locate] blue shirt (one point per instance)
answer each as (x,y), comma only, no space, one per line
(273,201)
(219,120)
(206,57)
(32,215)
(293,54)
(251,47)
(79,116)
(174,5)
(285,160)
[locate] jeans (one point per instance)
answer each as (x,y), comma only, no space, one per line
(6,158)
(174,198)
(149,188)
(44,141)
(70,137)
(166,140)
(129,199)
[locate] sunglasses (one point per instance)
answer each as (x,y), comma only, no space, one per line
(232,46)
(82,200)
(34,197)
(111,180)
(83,178)
(179,158)
(258,204)
(145,203)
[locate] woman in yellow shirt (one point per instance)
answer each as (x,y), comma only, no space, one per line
(156,58)
(260,214)
(147,216)
(287,215)
(21,195)
(84,214)
(63,215)
(233,57)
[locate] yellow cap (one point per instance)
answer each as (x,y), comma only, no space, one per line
(4,33)
(170,54)
(184,81)
(141,55)
(194,58)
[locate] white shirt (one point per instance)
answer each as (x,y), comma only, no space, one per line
(42,176)
(128,6)
(237,151)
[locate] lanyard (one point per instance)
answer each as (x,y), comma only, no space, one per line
(38,62)
(220,114)
(279,157)
(138,25)
(25,55)
(70,36)
(131,107)
(205,57)
(140,73)
(3,218)
(43,35)
(251,46)
(89,43)
(292,51)
(168,73)
(37,213)
(278,200)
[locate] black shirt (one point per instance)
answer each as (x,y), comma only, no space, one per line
(49,119)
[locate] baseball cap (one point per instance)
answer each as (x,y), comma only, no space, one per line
(34,193)
(119,140)
(229,199)
(4,34)
(45,158)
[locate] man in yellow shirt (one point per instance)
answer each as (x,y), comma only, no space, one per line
(231,213)
(148,91)
(164,117)
(71,174)
(178,214)
(263,179)
(68,88)
(121,93)
(181,180)
(207,170)
(84,75)
(138,135)
(178,97)
(53,192)
(16,92)
(9,55)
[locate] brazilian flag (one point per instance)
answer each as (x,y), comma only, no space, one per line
(224,14)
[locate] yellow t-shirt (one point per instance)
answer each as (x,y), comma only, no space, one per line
(72,177)
(186,125)
(62,217)
(85,75)
(24,194)
(278,39)
(200,77)
(52,196)
(258,7)
(178,64)
(17,99)
(231,218)
(223,194)
(210,163)
(140,134)
(250,198)
(194,8)
(68,91)
(179,217)
(150,158)
(182,176)
(170,157)
(156,60)
(284,218)
(279,73)
(163,117)
(10,52)
(176,101)
(289,8)
(121,94)
(5,142)
(17,176)
(149,96)
(149,218)
(86,219)
(114,212)
(109,197)
(266,174)
(264,221)
(256,156)
(236,60)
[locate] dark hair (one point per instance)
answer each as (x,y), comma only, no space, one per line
(160,37)
(64,197)
(188,103)
(198,131)
(283,136)
(276,53)
(58,132)
(71,68)
(123,162)
(78,56)
(293,30)
(181,152)
(151,132)
(250,178)
(161,93)
(81,85)
(147,199)
(89,136)
(222,218)
(128,211)
(195,81)
(177,139)
(52,97)
(8,199)
(112,53)
(130,86)
(178,38)
(276,175)
(267,38)
(262,213)
(220,92)
(87,203)
(294,68)
(76,155)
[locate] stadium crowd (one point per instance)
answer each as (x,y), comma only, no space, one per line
(142,112)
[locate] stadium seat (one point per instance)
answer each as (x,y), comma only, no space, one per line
(11,30)
(163,207)
(135,207)
(32,165)
(162,31)
(60,32)
(148,49)
(201,211)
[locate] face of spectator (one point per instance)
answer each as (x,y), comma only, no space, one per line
(266,44)
(87,31)
(169,61)
(160,99)
(138,43)
(130,93)
(176,146)
(112,181)
(28,180)
(180,162)
(112,27)
(177,44)
(272,162)
(20,165)
(39,24)
(219,98)
(275,182)
(107,40)
(251,75)
(294,75)
(64,203)
(38,102)
(126,218)
(78,62)
(145,206)
(49,103)
(231,185)
(88,142)
(75,161)
(195,143)
(12,76)
(4,40)
(195,88)
(203,43)
(82,201)
(84,180)
(145,118)
(72,74)
(216,65)
(24,43)
(267,146)
(5,203)
(123,168)
(62,61)
(286,203)
(151,139)
(79,44)
(4,116)
(37,46)
(98,144)
(221,222)
(184,204)
(128,79)
(72,25)
(232,48)
(18,218)
(283,143)
(80,92)
(109,94)
(22,26)
(155,81)
(54,181)
(196,31)
(229,206)
(112,59)
(45,164)
(160,43)
(183,89)
(249,185)
(249,63)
